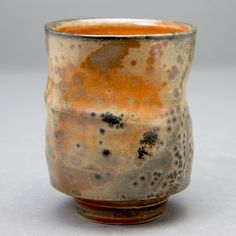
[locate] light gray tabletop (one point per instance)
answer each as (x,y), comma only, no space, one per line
(30,206)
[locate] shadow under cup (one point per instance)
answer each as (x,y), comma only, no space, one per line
(119,132)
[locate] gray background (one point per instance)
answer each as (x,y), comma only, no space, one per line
(30,206)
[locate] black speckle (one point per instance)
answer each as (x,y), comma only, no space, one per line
(142,178)
(152,183)
(142,152)
(135,183)
(100,142)
(106,152)
(174,119)
(93,114)
(164,184)
(158,174)
(97,176)
(150,138)
(77,145)
(172,176)
(177,154)
(112,120)
(117,126)
(168,129)
(102,131)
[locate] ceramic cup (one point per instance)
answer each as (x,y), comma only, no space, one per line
(119,133)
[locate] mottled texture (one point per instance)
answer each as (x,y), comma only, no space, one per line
(118,125)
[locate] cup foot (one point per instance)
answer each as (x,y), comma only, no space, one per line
(121,212)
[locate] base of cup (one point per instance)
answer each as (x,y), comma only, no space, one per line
(121,212)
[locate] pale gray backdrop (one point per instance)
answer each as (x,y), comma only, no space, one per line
(22,36)
(30,206)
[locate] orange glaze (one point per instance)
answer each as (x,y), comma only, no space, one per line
(124,29)
(111,84)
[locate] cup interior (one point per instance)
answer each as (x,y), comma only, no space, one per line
(113,27)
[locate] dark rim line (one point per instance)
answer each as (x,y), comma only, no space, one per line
(49,28)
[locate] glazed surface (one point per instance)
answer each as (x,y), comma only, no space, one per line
(133,27)
(118,125)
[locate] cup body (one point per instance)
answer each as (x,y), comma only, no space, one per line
(118,125)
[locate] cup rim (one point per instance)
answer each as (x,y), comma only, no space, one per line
(50,28)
